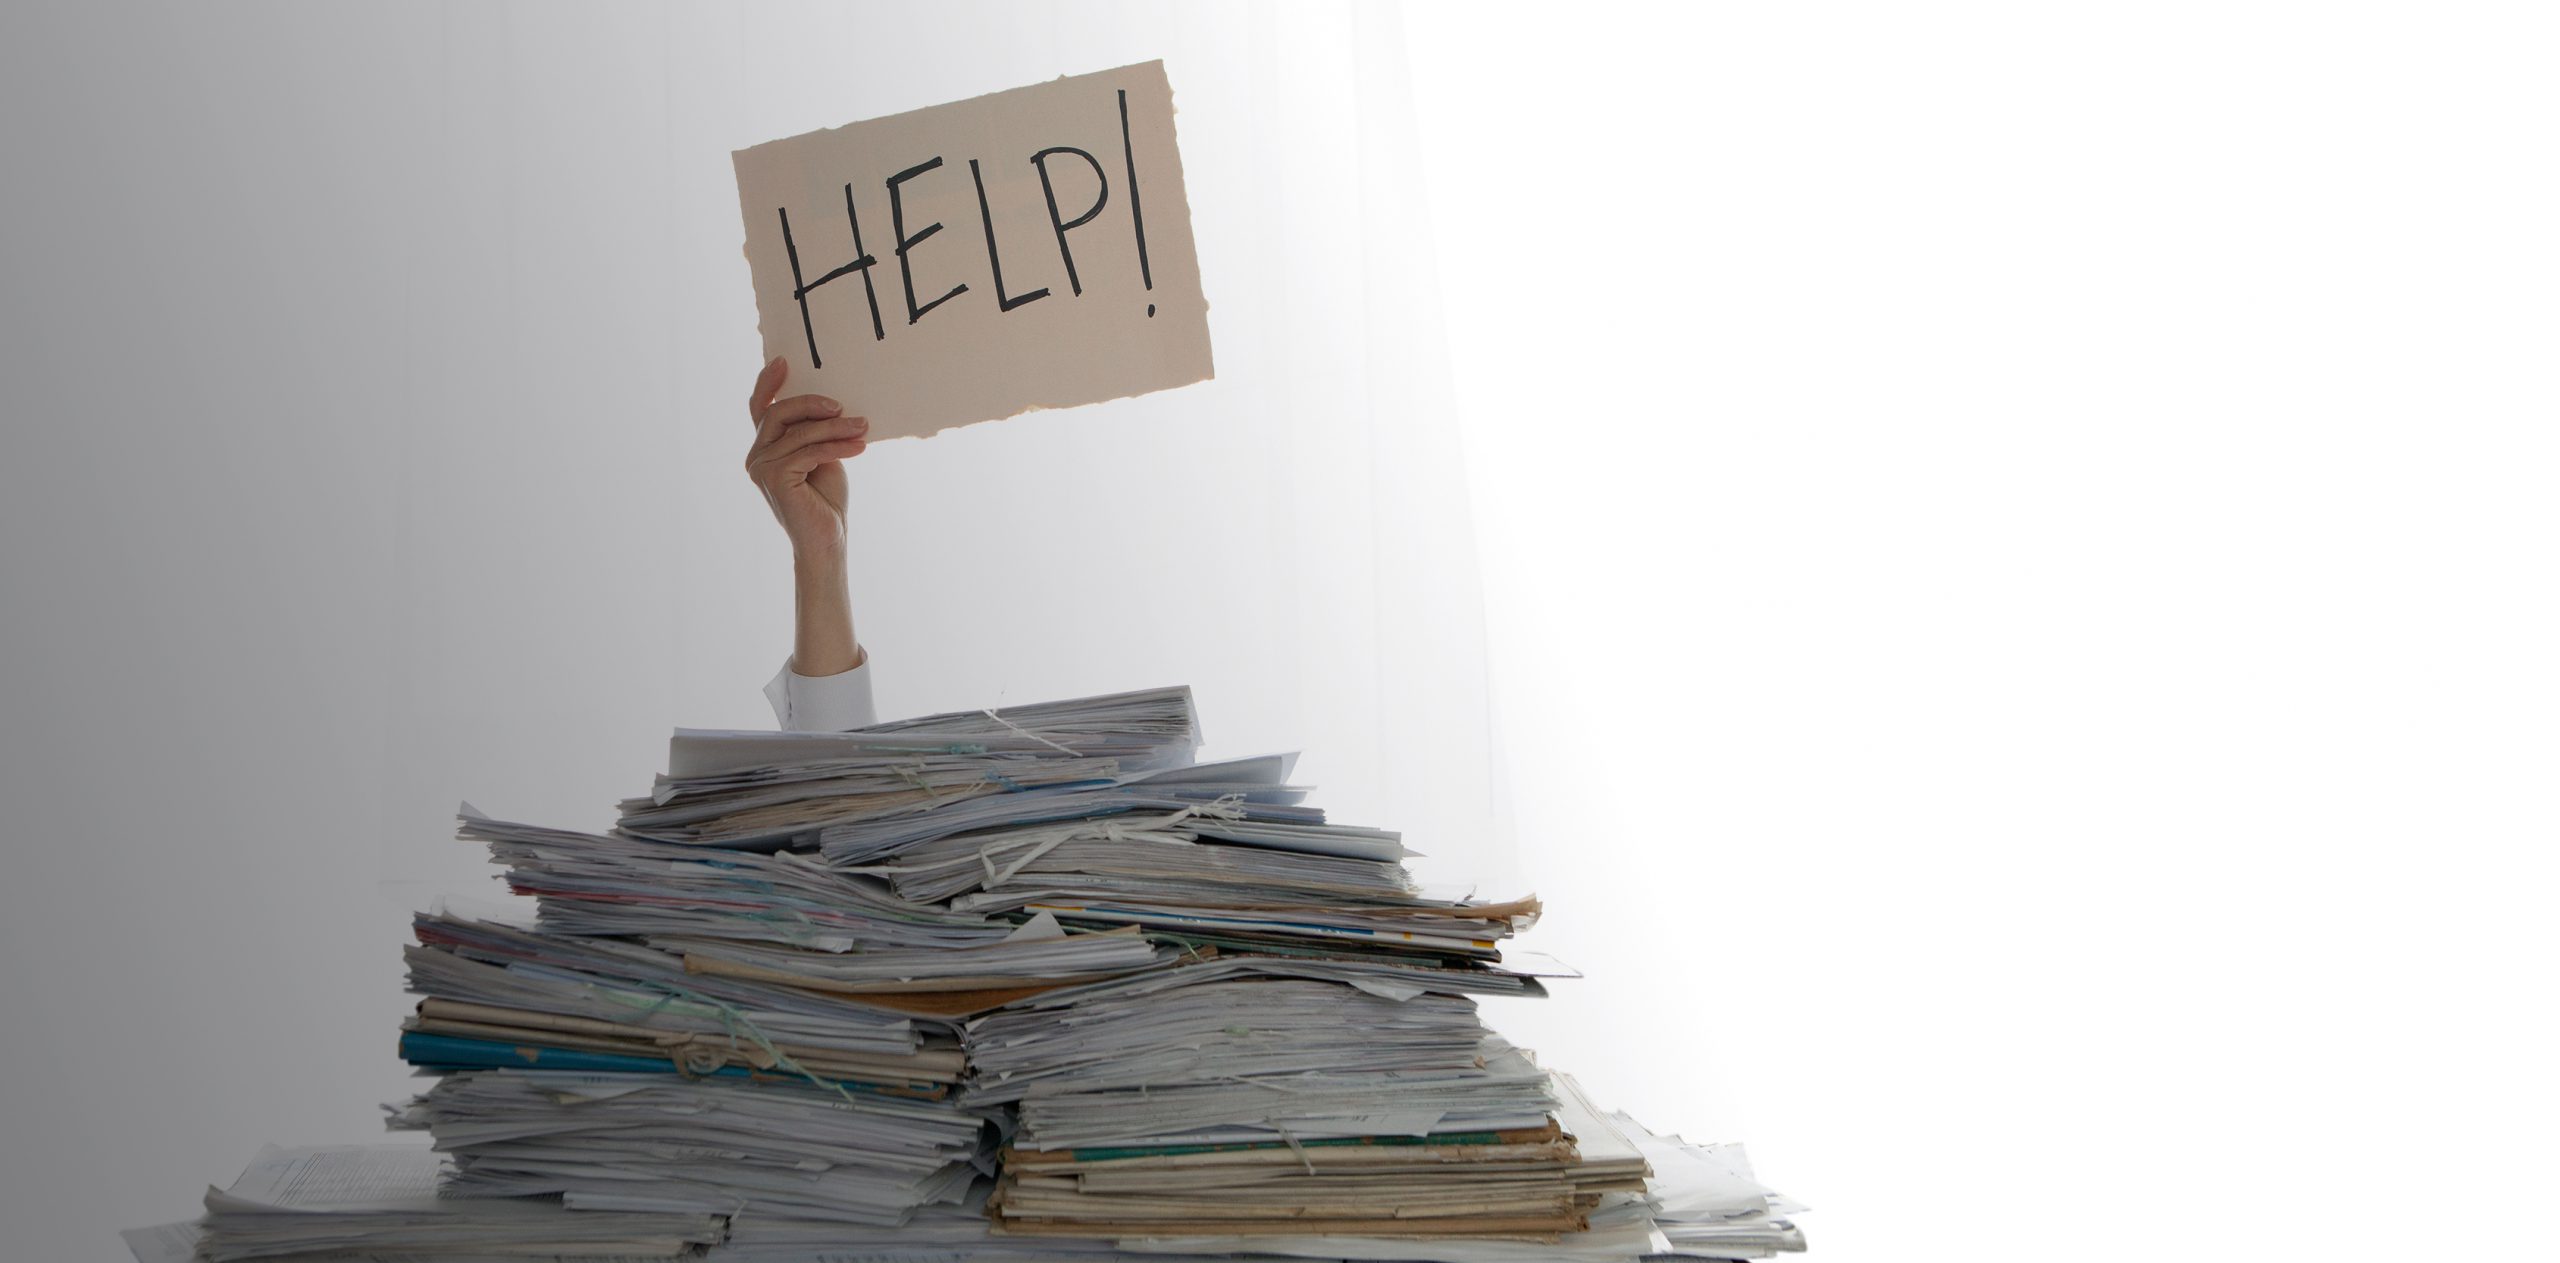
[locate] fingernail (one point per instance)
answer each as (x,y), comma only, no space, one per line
(861,424)
(829,407)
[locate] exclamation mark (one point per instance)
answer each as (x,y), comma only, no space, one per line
(1137,214)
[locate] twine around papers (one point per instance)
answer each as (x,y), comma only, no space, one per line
(733,1023)
(813,934)
(913,775)
(1020,731)
(1290,1139)
(1164,829)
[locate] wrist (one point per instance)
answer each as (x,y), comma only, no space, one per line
(818,561)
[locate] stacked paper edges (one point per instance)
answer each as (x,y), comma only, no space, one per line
(1017,984)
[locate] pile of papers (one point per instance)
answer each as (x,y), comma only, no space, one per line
(1706,1202)
(1028,984)
(595,1070)
(318,1201)
(1316,1063)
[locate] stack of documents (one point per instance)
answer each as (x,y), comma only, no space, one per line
(610,884)
(867,792)
(1706,1202)
(600,1072)
(382,1200)
(702,1020)
(993,985)
(639,1141)
(1247,1105)
(499,996)
(1302,1056)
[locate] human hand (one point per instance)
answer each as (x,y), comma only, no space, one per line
(796,461)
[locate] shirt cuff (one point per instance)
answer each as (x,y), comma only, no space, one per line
(822,703)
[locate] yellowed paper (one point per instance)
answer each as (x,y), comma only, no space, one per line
(970,261)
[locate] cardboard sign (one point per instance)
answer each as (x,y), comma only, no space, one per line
(1026,249)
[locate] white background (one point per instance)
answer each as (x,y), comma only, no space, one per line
(1994,564)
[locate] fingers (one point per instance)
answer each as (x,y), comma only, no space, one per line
(816,454)
(795,436)
(780,417)
(806,434)
(795,469)
(768,384)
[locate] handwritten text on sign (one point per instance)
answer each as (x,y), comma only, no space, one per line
(1028,249)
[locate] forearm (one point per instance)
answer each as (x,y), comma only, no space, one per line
(822,637)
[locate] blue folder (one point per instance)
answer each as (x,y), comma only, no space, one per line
(451,1052)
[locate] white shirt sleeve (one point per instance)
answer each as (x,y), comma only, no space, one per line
(822,703)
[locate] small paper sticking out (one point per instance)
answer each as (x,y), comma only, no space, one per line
(1041,926)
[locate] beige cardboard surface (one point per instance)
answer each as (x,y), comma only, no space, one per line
(1026,249)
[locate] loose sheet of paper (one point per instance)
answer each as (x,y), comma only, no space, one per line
(335,1177)
(970,261)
